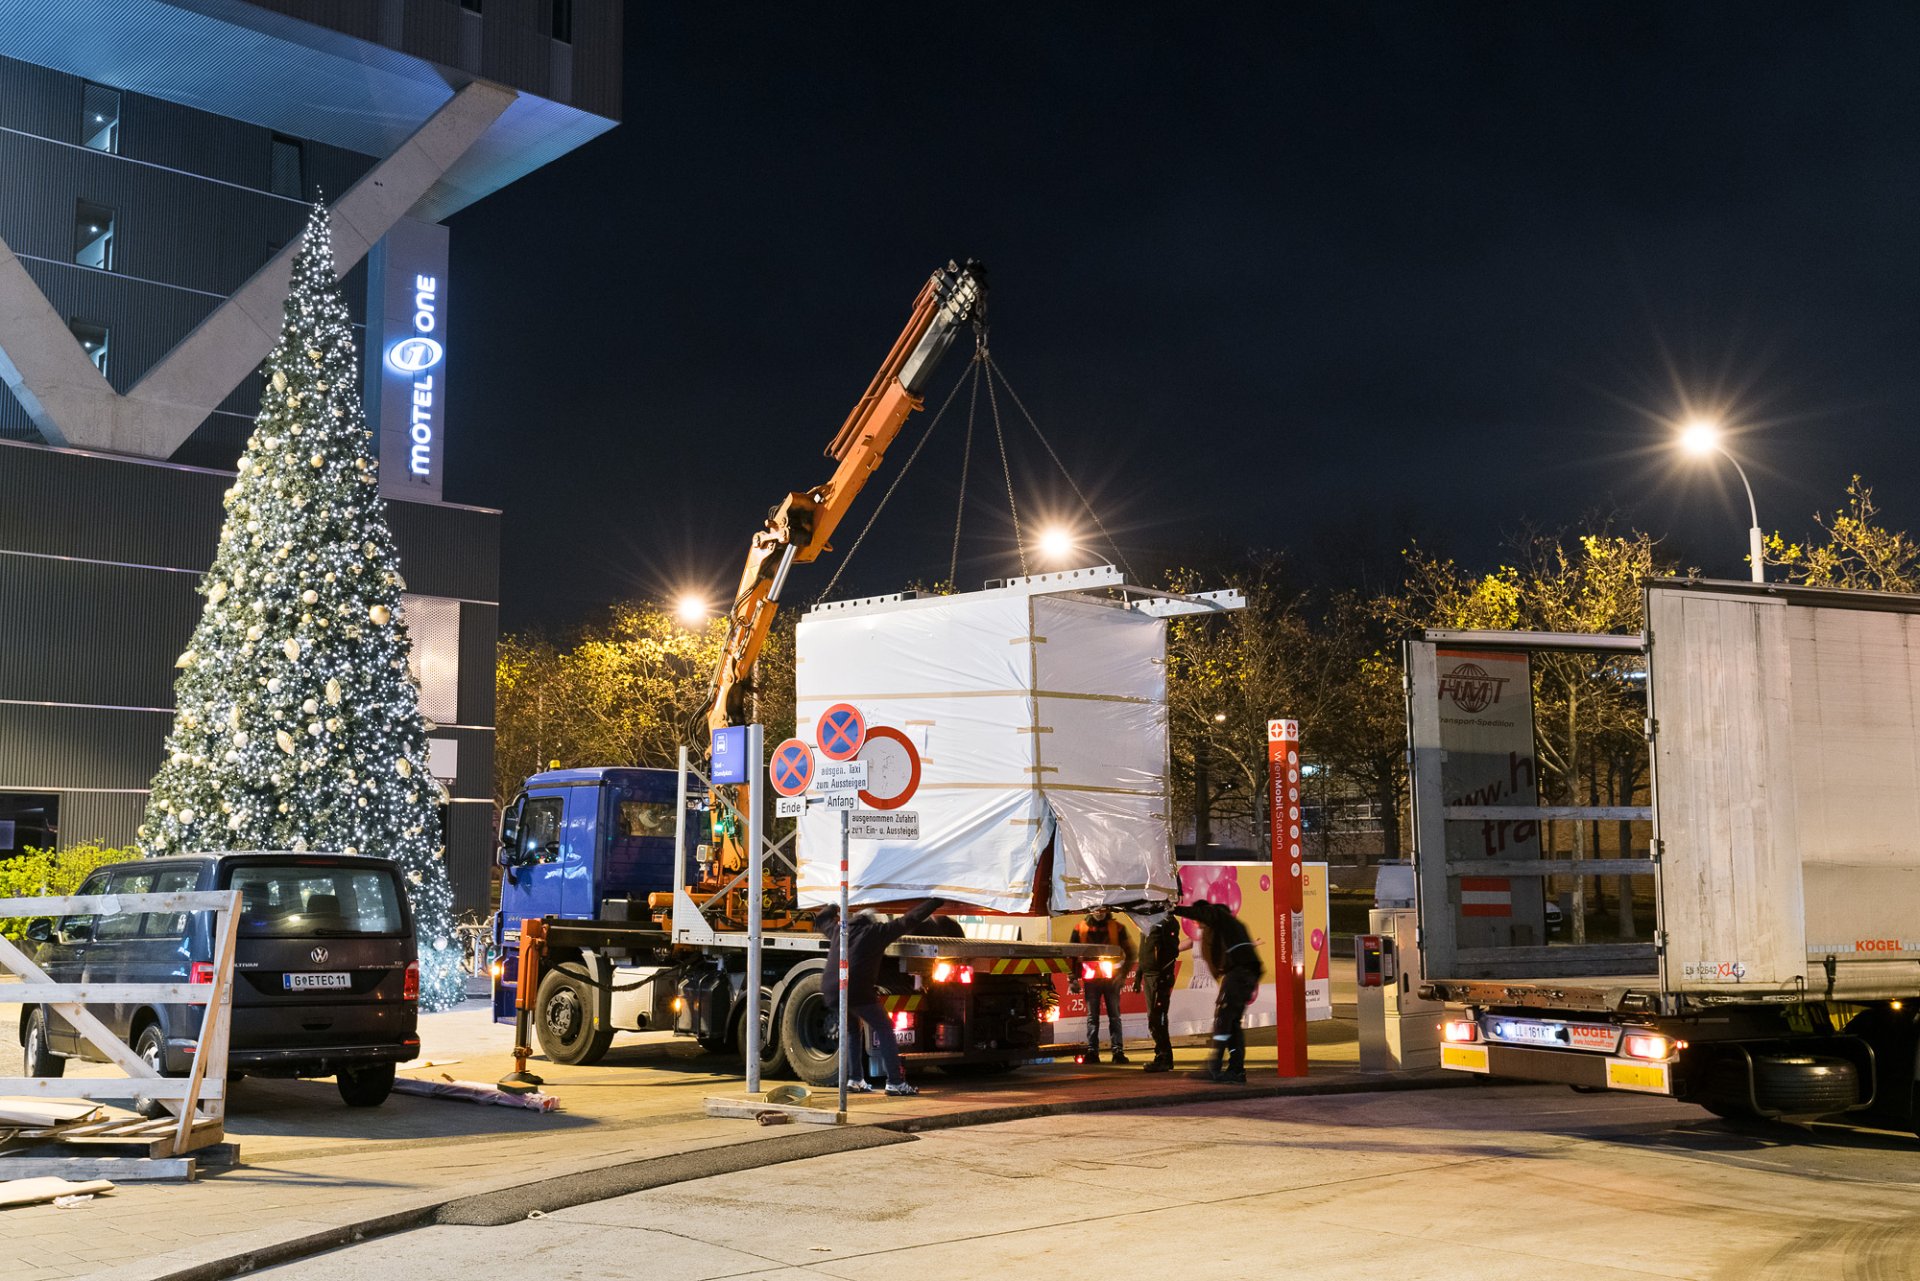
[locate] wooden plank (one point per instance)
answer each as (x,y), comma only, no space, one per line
(95,1032)
(211,1046)
(106,1087)
(750,1109)
(117,904)
(118,1169)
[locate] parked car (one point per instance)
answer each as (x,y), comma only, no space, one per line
(325,980)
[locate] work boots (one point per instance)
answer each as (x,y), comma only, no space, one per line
(1120,1056)
(1161,1063)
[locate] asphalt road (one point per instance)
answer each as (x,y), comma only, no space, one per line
(1497,1182)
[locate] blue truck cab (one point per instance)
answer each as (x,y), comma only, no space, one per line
(586,844)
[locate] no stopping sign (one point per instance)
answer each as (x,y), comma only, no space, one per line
(893,768)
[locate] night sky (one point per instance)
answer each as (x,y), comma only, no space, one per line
(1310,281)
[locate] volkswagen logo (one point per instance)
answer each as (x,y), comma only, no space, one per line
(318,955)
(412,355)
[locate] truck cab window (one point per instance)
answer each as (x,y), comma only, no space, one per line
(540,829)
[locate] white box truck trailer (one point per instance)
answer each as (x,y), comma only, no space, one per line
(1783,750)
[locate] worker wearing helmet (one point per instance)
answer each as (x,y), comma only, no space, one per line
(868,938)
(1103,981)
(1236,966)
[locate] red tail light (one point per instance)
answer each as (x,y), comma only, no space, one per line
(1088,970)
(1651,1046)
(902,1020)
(947,971)
(200,973)
(1106,969)
(966,974)
(1458,1030)
(411,992)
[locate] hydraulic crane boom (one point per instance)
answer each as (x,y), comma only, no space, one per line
(799,527)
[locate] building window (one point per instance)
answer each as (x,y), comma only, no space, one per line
(434,623)
(28,821)
(93,340)
(563,20)
(286,178)
(100,118)
(93,235)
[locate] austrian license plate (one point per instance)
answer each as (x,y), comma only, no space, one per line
(315,982)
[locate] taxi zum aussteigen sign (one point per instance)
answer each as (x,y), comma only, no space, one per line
(838,784)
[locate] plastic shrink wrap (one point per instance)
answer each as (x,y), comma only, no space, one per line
(1041,725)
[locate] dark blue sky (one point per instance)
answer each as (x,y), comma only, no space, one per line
(1273,279)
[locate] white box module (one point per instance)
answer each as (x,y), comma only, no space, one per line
(1040,723)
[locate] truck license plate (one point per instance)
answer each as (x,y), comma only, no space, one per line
(315,982)
(904,1036)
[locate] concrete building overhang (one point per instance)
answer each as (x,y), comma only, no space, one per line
(253,64)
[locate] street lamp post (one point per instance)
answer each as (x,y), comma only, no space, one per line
(1701,438)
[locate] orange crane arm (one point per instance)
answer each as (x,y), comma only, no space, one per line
(799,527)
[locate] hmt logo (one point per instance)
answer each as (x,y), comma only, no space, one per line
(1470,688)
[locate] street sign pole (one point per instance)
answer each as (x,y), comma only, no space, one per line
(1289,897)
(756,853)
(846,1052)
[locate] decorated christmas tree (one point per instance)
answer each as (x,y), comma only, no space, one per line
(297,725)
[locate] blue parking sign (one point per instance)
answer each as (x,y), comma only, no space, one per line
(730,754)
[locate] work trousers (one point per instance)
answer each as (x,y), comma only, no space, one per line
(1237,990)
(1109,992)
(880,1023)
(1159,990)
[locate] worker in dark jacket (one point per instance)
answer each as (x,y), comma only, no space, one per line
(1235,963)
(1160,948)
(1101,929)
(868,938)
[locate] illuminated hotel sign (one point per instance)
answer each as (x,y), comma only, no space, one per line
(407,383)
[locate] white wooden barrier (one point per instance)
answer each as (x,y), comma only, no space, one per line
(197,1099)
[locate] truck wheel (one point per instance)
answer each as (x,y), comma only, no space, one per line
(565,1021)
(773,1050)
(1805,1085)
(807,1035)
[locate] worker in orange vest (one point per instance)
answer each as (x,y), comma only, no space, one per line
(1101,929)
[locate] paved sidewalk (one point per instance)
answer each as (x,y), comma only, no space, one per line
(315,1173)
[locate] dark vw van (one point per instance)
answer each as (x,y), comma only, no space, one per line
(325,980)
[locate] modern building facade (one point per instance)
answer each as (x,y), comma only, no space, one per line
(158,157)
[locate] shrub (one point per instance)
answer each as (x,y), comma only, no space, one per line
(35,873)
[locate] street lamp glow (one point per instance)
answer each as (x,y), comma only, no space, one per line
(1700,437)
(1056,543)
(691,610)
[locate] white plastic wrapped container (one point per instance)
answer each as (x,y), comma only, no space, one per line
(1039,721)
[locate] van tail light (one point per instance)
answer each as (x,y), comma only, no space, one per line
(200,973)
(411,991)
(902,1021)
(1459,1030)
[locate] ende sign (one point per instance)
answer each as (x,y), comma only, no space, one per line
(406,387)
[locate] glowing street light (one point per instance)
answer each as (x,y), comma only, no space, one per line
(1703,437)
(691,610)
(1056,543)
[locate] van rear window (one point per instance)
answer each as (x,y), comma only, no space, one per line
(328,902)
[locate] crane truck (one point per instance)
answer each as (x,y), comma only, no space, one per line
(1782,851)
(620,901)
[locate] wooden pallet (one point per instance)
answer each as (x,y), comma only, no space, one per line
(119,1147)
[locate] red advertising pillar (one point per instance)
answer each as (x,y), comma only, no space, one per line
(1289,897)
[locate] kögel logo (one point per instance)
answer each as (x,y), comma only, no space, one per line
(1470,688)
(411,355)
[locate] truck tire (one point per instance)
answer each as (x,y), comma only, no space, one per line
(807,1035)
(566,1022)
(773,1049)
(1805,1084)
